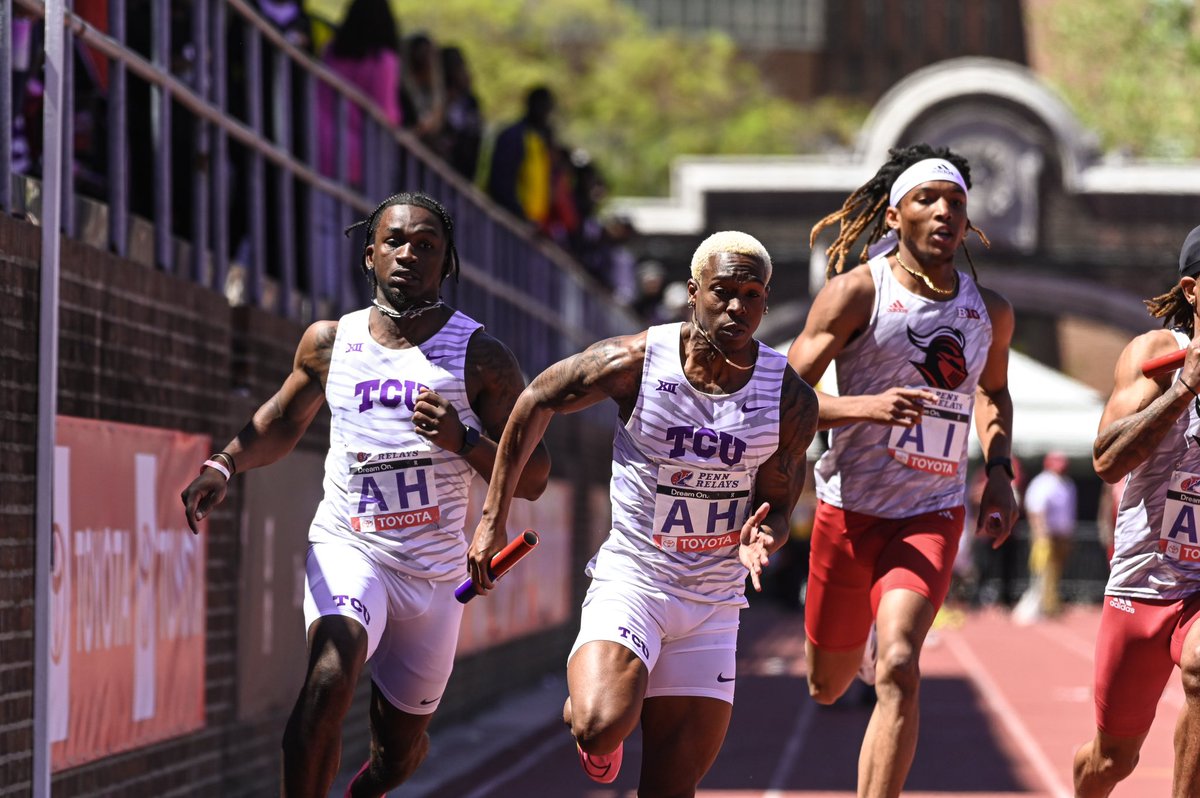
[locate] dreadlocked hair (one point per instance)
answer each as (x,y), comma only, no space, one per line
(864,208)
(420,200)
(1174,309)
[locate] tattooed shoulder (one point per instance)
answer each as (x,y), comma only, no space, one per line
(316,349)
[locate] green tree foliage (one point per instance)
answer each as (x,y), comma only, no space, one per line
(633,97)
(1129,68)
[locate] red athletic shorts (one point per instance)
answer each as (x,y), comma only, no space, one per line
(856,558)
(1138,644)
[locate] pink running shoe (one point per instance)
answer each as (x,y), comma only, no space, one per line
(602,769)
(361,771)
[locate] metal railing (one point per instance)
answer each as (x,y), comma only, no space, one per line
(239,201)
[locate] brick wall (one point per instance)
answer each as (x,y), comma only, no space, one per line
(140,346)
(19,251)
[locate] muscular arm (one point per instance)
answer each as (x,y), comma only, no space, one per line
(994,423)
(608,369)
(993,404)
(494,382)
(281,421)
(781,478)
(276,426)
(1141,410)
(841,311)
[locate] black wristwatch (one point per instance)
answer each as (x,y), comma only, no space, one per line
(1002,462)
(470,439)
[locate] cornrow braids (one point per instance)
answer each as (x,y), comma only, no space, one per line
(420,200)
(865,206)
(1174,309)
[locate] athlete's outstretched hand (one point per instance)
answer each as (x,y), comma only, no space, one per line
(900,407)
(205,492)
(755,544)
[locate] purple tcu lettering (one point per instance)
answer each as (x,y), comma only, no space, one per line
(706,443)
(627,634)
(355,604)
(389,393)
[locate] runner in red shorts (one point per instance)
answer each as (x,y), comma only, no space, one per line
(917,344)
(1150,436)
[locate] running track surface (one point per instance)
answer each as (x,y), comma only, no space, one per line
(1003,708)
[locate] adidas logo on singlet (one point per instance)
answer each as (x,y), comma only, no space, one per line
(1122,604)
(897,307)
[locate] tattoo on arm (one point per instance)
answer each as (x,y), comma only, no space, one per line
(781,479)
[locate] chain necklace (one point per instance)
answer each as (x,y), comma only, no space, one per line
(408,313)
(713,344)
(923,277)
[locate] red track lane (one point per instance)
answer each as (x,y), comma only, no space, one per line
(1003,709)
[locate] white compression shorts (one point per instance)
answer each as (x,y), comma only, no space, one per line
(689,648)
(412,624)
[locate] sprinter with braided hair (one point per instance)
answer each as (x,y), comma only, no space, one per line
(867,204)
(1149,438)
(419,394)
(917,345)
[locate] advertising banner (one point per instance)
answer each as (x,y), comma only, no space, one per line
(278,505)
(127,590)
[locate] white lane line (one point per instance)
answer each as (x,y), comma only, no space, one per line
(791,751)
(523,764)
(1017,730)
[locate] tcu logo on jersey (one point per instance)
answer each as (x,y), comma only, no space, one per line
(705,443)
(390,393)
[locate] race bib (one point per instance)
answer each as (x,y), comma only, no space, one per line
(699,511)
(938,444)
(1179,538)
(390,493)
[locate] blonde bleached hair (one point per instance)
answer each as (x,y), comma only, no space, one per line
(730,241)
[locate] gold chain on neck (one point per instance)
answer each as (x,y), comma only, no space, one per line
(923,277)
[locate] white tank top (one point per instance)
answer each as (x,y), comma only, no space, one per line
(896,472)
(1157,541)
(397,496)
(683,476)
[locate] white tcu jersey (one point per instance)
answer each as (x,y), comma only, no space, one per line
(393,493)
(683,476)
(898,472)
(1157,539)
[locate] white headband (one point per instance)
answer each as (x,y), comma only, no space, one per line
(923,172)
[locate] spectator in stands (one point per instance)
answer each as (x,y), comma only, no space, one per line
(22,54)
(423,93)
(462,130)
(1051,509)
(365,52)
(652,281)
(290,18)
(520,178)
(386,545)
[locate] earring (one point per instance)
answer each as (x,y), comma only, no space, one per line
(766,309)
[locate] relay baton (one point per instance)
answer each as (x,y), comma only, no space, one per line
(504,559)
(1158,366)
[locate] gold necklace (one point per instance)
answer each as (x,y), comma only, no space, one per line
(923,277)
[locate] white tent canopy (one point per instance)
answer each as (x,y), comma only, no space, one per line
(1051,411)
